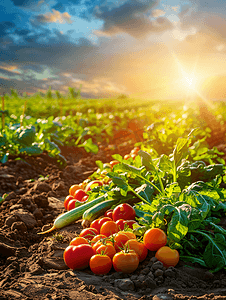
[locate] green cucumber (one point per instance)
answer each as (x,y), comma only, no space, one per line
(74,214)
(96,211)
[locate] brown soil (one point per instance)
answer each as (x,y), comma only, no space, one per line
(32,266)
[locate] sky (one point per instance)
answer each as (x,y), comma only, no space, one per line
(157,49)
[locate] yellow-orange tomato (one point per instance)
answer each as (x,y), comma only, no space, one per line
(107,249)
(125,261)
(100,243)
(154,239)
(109,228)
(73,189)
(100,264)
(130,234)
(98,238)
(119,241)
(169,257)
(78,241)
(138,247)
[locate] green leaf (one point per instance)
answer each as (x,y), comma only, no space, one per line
(181,149)
(27,136)
(51,147)
(89,146)
(193,260)
(165,164)
(33,150)
(117,157)
(146,160)
(145,191)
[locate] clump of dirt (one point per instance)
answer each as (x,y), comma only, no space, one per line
(32,265)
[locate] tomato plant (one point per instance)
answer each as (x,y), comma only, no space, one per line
(125,261)
(169,257)
(100,264)
(123,211)
(78,257)
(88,233)
(154,238)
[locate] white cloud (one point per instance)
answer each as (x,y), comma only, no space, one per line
(54,17)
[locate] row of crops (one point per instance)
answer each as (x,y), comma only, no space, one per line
(40,124)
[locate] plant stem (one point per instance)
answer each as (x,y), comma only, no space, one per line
(3,114)
(161,192)
(22,117)
(135,193)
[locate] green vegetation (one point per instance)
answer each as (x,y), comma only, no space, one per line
(177,180)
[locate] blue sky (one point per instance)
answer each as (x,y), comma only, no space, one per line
(152,49)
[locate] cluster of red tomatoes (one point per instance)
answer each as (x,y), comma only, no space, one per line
(107,243)
(77,195)
(78,192)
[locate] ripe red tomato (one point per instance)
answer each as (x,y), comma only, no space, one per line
(78,257)
(103,220)
(129,223)
(100,264)
(123,211)
(89,233)
(108,213)
(120,224)
(93,184)
(95,224)
(71,204)
(169,257)
(67,199)
(154,239)
(79,194)
(125,261)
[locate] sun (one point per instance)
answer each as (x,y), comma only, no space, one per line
(189,81)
